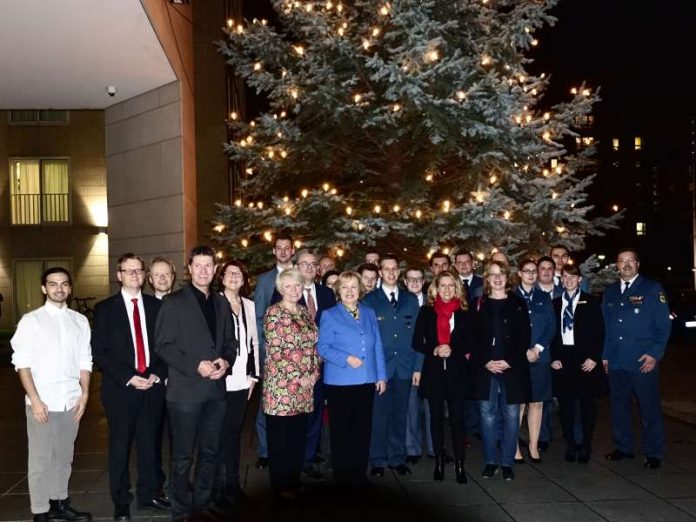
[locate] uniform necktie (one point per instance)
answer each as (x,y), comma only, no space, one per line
(626,285)
(465,284)
(139,342)
(568,312)
(311,305)
(526,295)
(557,280)
(392,299)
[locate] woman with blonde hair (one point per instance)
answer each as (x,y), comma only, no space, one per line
(441,334)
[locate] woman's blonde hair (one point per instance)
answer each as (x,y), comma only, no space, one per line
(504,269)
(288,273)
(459,292)
(347,276)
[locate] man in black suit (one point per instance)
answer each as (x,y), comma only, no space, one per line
(195,336)
(132,385)
(316,298)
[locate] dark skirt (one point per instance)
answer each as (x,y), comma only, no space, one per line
(571,382)
(540,373)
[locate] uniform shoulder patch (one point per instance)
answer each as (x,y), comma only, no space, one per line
(662,297)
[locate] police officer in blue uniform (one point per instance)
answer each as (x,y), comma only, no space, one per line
(396,310)
(637,320)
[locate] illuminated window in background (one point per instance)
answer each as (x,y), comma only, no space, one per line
(615,144)
(27,274)
(32,116)
(641,229)
(638,143)
(39,191)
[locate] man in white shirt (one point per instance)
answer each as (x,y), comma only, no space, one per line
(53,358)
(161,276)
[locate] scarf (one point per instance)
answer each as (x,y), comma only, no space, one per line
(527,296)
(568,312)
(444,312)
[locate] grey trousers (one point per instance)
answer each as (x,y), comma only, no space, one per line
(51,447)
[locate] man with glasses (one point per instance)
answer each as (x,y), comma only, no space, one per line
(132,385)
(283,251)
(316,298)
(161,276)
(396,312)
(637,327)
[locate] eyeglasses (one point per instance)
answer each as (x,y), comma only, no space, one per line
(528,271)
(233,275)
(307,264)
(133,271)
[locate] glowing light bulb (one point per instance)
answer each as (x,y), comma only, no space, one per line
(419,214)
(396,208)
(377,209)
(240,28)
(257,66)
(268,236)
(384,10)
(573,91)
(299,50)
(547,116)
(461,95)
(396,107)
(357,98)
(230,23)
(506,215)
(534,42)
(219,228)
(294,93)
(325,186)
(260,204)
(432,56)
(304,193)
(237,202)
(245,243)
(297,243)
(375,32)
(340,252)
(493,179)
(234,116)
(349,211)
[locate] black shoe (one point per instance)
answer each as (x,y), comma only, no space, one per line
(571,455)
(41,517)
(439,471)
(401,469)
(489,471)
(543,445)
(508,474)
(62,510)
(412,459)
(158,503)
(459,471)
(377,471)
(583,457)
(122,512)
(520,460)
(312,472)
(618,455)
(262,463)
(652,463)
(534,460)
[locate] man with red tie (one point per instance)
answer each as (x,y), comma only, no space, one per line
(132,385)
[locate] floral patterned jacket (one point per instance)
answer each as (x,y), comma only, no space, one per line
(291,357)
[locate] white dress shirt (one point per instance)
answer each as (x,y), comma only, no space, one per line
(630,283)
(312,290)
(143,325)
(54,343)
(388,292)
(568,335)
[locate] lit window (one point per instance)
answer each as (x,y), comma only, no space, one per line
(31,116)
(27,293)
(638,143)
(39,191)
(615,144)
(640,229)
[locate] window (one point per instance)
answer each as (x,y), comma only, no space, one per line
(27,283)
(641,229)
(39,191)
(638,143)
(31,116)
(615,144)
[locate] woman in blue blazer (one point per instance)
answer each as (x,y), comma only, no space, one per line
(351,347)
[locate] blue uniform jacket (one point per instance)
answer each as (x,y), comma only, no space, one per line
(396,329)
(475,289)
(265,285)
(543,321)
(340,335)
(636,322)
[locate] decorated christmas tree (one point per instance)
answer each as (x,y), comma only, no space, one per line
(410,125)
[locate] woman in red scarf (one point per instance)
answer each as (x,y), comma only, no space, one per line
(440,334)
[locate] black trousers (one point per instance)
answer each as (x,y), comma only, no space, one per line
(133,415)
(350,426)
(193,426)
(286,447)
(588,419)
(230,440)
(437,425)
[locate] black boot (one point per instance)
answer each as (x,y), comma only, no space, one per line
(41,517)
(439,472)
(459,471)
(62,510)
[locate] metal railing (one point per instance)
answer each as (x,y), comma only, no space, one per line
(35,209)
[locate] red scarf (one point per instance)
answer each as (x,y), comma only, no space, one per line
(444,312)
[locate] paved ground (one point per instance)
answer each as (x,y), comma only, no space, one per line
(553,490)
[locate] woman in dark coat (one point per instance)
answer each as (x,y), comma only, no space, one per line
(440,334)
(501,338)
(576,353)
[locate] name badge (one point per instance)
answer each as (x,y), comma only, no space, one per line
(636,299)
(380,318)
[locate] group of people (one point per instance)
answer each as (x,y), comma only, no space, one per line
(364,352)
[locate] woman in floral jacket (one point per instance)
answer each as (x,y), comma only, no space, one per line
(290,371)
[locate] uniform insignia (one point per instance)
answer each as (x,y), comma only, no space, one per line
(380,318)
(582,302)
(636,299)
(663,298)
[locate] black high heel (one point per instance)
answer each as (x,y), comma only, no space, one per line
(459,471)
(439,471)
(534,460)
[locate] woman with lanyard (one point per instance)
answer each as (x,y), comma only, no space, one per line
(354,368)
(500,368)
(441,334)
(576,352)
(543,323)
(233,281)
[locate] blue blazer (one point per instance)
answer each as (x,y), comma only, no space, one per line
(475,289)
(326,298)
(340,335)
(265,286)
(543,321)
(556,292)
(636,322)
(396,328)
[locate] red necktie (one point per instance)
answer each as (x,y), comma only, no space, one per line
(139,343)
(311,306)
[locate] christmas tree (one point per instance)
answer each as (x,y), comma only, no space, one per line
(411,125)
